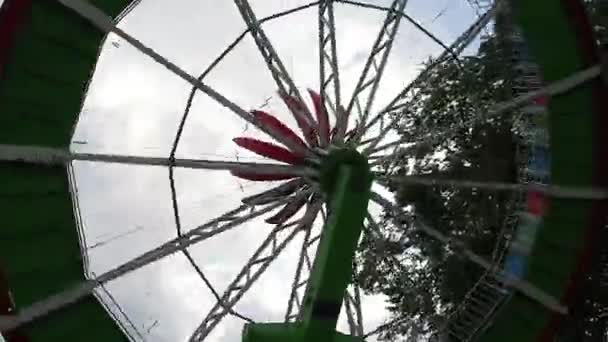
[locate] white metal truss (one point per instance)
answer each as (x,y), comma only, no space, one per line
(557,191)
(57,156)
(279,73)
(485,298)
(363,98)
(268,251)
(236,217)
(303,270)
(352,298)
(401,101)
(465,39)
(373,229)
(480,304)
(354,315)
(275,193)
(106,24)
(480,5)
(254,267)
(494,111)
(525,288)
(328,64)
(62,299)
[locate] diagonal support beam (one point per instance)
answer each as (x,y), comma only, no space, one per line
(465,39)
(354,315)
(303,270)
(402,100)
(328,63)
(352,299)
(276,67)
(79,291)
(347,185)
(41,155)
(373,228)
(529,290)
(106,24)
(352,304)
(268,251)
(365,91)
(494,111)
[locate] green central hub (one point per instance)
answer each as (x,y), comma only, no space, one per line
(346,179)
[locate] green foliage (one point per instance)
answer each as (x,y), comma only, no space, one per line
(434,278)
(423,278)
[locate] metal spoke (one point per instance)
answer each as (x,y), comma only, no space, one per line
(268,251)
(373,228)
(526,288)
(401,101)
(217,61)
(551,190)
(375,141)
(70,296)
(479,304)
(358,310)
(279,73)
(179,230)
(472,32)
(354,316)
(352,299)
(300,282)
(106,24)
(386,326)
(374,67)
(352,304)
(329,73)
(56,156)
(494,111)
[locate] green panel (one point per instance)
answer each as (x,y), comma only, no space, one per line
(41,92)
(39,246)
(561,239)
(41,97)
(346,179)
(285,332)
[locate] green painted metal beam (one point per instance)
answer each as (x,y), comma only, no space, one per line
(346,179)
(282,332)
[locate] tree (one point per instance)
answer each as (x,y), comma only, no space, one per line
(434,278)
(423,278)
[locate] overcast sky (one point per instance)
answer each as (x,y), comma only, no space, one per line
(134,106)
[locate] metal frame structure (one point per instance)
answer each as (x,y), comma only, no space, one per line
(338,180)
(346,180)
(400,102)
(268,251)
(280,75)
(300,281)
(329,73)
(374,67)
